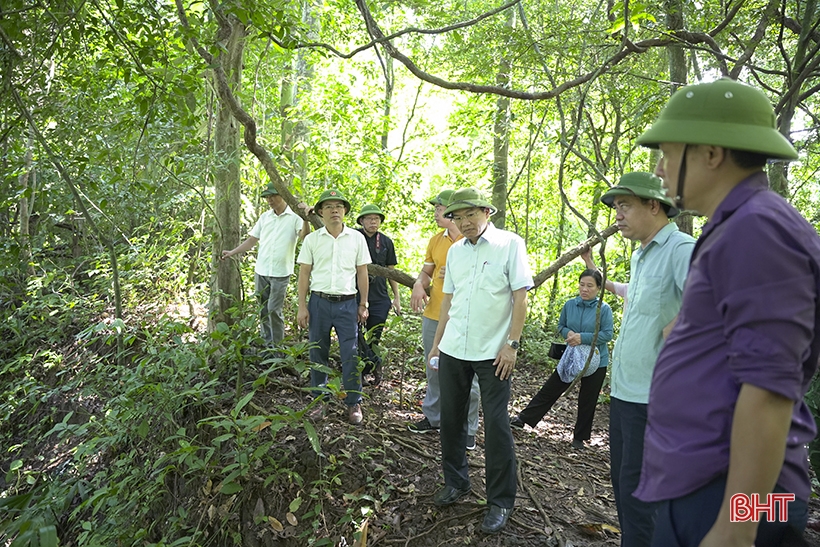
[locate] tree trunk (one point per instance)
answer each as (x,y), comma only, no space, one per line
(226,286)
(779,171)
(678,71)
(28,181)
(501,137)
(297,82)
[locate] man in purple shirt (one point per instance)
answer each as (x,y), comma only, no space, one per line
(726,414)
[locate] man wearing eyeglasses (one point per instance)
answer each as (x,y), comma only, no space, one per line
(331,262)
(480,323)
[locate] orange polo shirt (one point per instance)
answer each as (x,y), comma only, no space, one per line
(437,256)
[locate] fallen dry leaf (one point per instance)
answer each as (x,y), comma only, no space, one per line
(275,524)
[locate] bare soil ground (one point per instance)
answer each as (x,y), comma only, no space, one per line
(564,495)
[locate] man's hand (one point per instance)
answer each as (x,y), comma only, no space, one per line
(225,254)
(397,305)
(303,316)
(419,298)
(363,314)
(433,353)
(505,362)
(304,207)
(573,339)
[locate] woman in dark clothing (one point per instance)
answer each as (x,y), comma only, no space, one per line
(576,325)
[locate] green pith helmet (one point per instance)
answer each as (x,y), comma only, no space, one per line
(270,190)
(443,198)
(642,185)
(331,194)
(723,113)
(467,198)
(369,210)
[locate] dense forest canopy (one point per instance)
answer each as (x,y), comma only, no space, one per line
(135,138)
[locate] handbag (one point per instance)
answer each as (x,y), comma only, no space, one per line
(556,350)
(573,361)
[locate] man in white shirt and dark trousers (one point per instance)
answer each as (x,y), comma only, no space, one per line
(276,231)
(480,324)
(331,262)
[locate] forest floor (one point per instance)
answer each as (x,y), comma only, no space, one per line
(564,495)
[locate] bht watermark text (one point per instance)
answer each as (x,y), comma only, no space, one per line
(743,508)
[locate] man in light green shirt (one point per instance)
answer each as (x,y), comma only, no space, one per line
(658,272)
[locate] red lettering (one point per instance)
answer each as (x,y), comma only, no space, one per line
(743,508)
(783,499)
(739,509)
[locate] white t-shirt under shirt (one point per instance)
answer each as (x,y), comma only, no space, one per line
(334,259)
(277,235)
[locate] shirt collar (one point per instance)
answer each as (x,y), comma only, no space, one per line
(491,234)
(287,211)
(345,231)
(361,231)
(736,197)
(663,234)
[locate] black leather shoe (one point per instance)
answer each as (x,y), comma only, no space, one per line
(496,519)
(448,495)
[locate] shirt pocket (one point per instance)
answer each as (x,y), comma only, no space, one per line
(646,300)
(493,278)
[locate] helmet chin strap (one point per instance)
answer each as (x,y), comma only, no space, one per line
(678,199)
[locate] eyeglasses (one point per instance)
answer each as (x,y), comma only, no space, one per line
(469,216)
(332,207)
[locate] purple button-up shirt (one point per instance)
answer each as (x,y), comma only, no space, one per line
(750,314)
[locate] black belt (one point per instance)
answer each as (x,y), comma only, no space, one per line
(334,297)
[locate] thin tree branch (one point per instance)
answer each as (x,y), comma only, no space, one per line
(409,30)
(226,95)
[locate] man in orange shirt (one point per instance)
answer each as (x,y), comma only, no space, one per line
(432,275)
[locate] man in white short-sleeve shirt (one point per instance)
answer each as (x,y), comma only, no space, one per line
(332,260)
(276,232)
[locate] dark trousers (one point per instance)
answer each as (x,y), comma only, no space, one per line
(554,388)
(377,317)
(342,316)
(685,521)
(456,379)
(627,423)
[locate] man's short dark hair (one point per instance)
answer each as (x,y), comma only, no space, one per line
(747,160)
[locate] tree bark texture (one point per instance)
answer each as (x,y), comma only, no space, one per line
(226,284)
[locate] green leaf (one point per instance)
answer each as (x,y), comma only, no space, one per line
(241,404)
(48,536)
(230,488)
(312,436)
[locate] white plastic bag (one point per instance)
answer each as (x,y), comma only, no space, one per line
(573,361)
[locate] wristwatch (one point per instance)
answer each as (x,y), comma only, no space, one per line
(514,344)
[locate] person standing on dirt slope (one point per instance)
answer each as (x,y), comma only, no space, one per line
(747,339)
(276,232)
(482,316)
(432,276)
(332,262)
(577,324)
(383,253)
(657,274)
